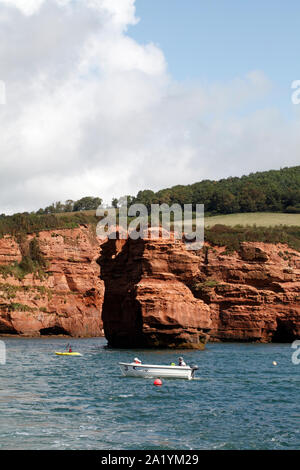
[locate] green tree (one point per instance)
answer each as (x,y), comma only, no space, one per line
(87,203)
(115,202)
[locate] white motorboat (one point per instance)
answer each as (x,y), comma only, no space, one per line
(155,371)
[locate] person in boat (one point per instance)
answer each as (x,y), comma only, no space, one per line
(137,361)
(70,349)
(181,362)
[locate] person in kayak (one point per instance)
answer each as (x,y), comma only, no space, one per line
(70,349)
(181,362)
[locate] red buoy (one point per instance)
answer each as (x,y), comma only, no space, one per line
(157,382)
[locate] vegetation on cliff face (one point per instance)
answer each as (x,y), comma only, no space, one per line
(32,223)
(32,261)
(231,237)
(10,291)
(219,235)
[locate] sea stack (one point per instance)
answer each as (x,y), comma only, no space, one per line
(148,301)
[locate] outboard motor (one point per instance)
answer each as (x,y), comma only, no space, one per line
(194,368)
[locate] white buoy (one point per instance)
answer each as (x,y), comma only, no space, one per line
(274,363)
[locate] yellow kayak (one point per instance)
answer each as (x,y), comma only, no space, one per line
(68,354)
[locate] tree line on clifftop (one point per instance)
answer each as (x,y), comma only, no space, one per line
(268,191)
(84,204)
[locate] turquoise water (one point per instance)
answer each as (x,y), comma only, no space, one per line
(239,400)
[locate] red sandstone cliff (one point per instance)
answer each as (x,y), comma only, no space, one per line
(154,293)
(66,299)
(160,294)
(147,300)
(253,295)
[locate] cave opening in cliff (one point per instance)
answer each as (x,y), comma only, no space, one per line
(8,330)
(284,332)
(121,270)
(54,331)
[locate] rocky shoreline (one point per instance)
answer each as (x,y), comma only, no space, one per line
(150,292)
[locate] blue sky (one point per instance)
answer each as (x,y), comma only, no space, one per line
(219,40)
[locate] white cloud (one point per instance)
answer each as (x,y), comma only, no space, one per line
(27,7)
(92,112)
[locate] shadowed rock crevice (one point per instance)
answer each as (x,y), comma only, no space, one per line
(121,270)
(285,332)
(54,331)
(7,329)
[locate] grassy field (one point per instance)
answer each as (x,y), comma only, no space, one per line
(262,219)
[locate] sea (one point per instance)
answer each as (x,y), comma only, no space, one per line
(244,396)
